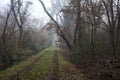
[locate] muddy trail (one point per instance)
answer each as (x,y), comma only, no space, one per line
(55,69)
(53,74)
(51,65)
(17,75)
(63,69)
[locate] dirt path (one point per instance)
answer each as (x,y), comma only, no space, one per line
(53,75)
(55,68)
(50,65)
(25,70)
(63,69)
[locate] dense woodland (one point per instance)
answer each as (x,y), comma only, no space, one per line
(87,32)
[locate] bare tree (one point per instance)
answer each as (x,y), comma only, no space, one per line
(112,17)
(59,31)
(3,44)
(78,22)
(20,15)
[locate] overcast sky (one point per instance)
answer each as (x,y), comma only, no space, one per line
(36,9)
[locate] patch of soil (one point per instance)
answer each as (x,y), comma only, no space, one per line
(53,75)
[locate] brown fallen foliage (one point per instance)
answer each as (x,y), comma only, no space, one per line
(100,69)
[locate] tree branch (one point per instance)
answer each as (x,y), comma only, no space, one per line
(58,27)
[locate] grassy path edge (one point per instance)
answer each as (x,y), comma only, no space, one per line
(67,70)
(13,72)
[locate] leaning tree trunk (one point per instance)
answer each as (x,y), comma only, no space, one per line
(59,31)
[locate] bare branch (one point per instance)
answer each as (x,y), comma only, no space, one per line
(58,27)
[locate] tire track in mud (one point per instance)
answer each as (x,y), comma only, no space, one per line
(17,75)
(55,67)
(53,75)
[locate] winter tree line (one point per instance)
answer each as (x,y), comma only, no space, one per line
(86,29)
(20,35)
(89,24)
(89,30)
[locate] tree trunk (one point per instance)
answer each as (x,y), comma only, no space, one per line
(60,32)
